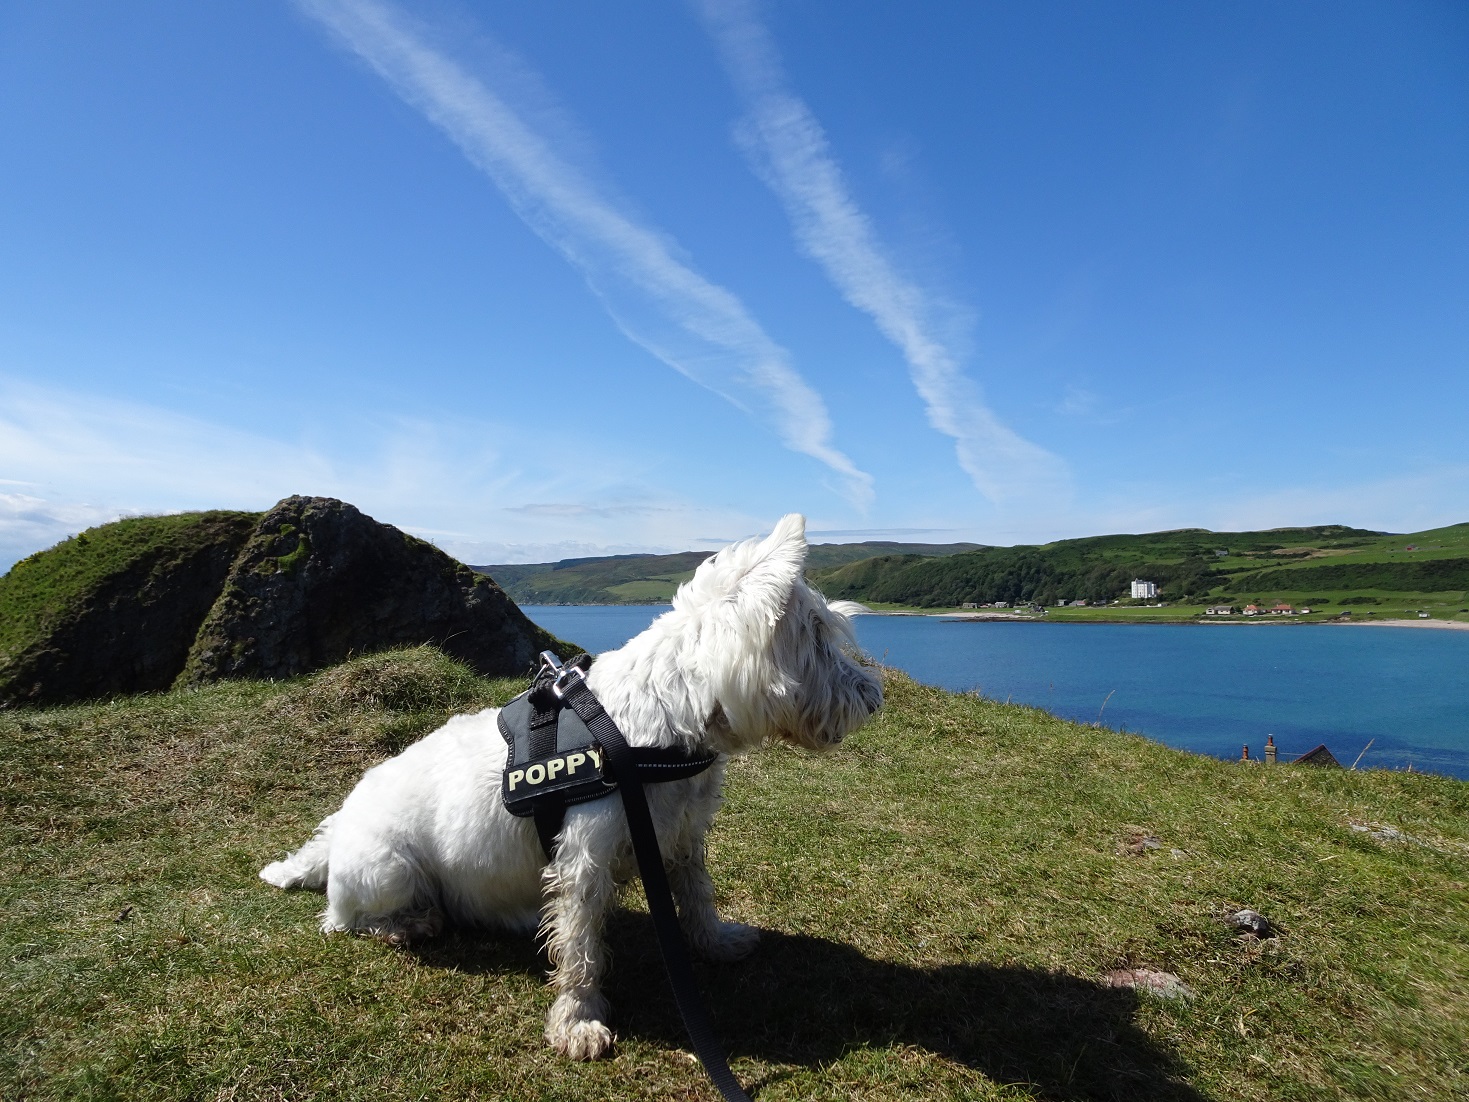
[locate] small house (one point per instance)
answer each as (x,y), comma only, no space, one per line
(1320,756)
(1282,609)
(1253,610)
(1219,610)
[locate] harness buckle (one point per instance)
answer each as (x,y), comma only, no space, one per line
(550,663)
(566,676)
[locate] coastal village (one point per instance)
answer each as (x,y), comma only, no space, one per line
(1144,590)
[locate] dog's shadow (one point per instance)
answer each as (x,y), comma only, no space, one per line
(806,1000)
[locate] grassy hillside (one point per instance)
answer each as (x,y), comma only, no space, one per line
(941,899)
(52,584)
(1323,566)
(652,579)
(115,608)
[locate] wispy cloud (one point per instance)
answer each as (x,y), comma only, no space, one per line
(788,148)
(658,301)
(877,533)
(1406,501)
(582,509)
(1087,405)
(486,553)
(71,460)
(29,523)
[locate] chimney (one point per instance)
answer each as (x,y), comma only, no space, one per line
(1269,749)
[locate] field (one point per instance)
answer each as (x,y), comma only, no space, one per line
(941,899)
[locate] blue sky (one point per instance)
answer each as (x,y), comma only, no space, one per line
(538,279)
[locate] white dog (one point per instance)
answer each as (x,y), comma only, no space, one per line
(749,653)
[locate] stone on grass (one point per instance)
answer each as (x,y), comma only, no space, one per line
(1163,984)
(1137,842)
(1252,922)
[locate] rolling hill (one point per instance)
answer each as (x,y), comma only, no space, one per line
(1326,565)
(651,579)
(1193,565)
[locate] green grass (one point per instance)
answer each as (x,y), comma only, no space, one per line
(940,898)
(645,590)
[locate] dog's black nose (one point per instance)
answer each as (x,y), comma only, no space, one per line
(871,695)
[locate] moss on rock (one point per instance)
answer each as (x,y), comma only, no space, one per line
(149,602)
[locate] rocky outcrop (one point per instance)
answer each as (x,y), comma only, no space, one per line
(115,610)
(318,582)
(152,602)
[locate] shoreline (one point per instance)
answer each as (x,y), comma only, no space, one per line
(977,616)
(1451,625)
(1010,617)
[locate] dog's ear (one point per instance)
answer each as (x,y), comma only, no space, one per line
(754,576)
(780,557)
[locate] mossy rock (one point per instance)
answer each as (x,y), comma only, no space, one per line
(114,609)
(319,582)
(149,602)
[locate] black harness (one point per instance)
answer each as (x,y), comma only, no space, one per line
(550,727)
(555,760)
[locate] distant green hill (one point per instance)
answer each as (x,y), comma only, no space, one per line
(1430,576)
(1189,565)
(1327,563)
(652,579)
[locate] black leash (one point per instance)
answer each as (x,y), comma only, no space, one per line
(622,763)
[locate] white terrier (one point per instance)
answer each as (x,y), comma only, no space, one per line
(749,653)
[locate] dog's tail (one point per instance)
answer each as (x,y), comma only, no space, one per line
(306,868)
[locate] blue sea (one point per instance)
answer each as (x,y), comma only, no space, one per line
(1207,688)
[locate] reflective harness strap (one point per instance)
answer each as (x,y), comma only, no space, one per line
(548,816)
(625,769)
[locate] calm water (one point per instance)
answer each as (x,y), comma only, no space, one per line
(1206,688)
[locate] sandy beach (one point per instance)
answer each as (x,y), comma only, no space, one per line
(1451,625)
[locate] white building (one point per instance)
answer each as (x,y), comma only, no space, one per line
(1142,589)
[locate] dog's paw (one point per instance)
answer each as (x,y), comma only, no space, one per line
(410,929)
(728,941)
(281,874)
(574,1028)
(583,1041)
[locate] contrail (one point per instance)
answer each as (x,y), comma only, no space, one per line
(789,152)
(695,326)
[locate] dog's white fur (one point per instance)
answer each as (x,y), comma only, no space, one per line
(749,653)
